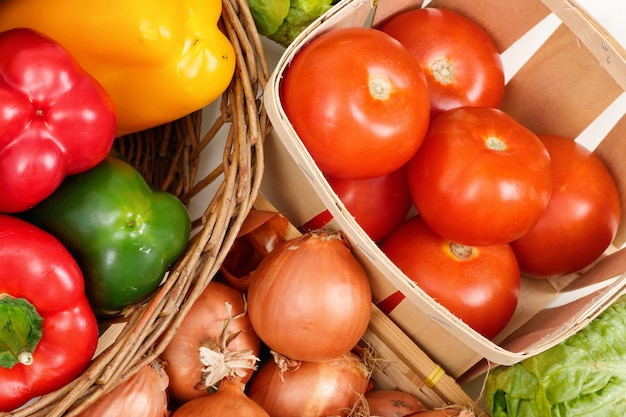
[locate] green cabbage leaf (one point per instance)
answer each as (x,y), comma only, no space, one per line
(585,375)
(283,20)
(268,15)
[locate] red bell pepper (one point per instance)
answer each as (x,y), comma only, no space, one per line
(48,332)
(55,119)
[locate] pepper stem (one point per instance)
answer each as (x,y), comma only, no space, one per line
(21,328)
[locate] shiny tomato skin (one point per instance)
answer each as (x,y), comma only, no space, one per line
(480,177)
(460,60)
(378,204)
(582,216)
(358,102)
(481,289)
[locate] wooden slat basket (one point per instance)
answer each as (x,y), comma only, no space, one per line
(564,76)
(213,161)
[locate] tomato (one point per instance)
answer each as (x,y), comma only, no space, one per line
(582,216)
(479,285)
(378,204)
(480,178)
(358,102)
(460,60)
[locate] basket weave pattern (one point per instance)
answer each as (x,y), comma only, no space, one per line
(169,158)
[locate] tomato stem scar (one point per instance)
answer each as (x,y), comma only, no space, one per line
(495,144)
(460,251)
(379,86)
(443,71)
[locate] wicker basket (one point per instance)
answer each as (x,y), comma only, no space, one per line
(174,157)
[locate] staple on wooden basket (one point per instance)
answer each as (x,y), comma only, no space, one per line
(168,157)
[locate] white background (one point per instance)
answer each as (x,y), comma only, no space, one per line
(609,13)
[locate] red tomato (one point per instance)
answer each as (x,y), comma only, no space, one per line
(480,178)
(479,285)
(378,204)
(357,101)
(582,216)
(460,60)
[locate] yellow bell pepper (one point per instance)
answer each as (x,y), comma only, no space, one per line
(158,59)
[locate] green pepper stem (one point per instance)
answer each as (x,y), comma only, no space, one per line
(21,328)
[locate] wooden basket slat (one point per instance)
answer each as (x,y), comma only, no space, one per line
(614,144)
(545,93)
(504,21)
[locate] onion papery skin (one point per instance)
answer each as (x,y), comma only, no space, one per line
(202,326)
(142,395)
(310,299)
(260,233)
(229,401)
(312,389)
(392,403)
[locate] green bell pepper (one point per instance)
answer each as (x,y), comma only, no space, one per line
(123,234)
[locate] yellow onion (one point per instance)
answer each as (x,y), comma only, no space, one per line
(392,403)
(310,299)
(287,388)
(229,401)
(260,233)
(142,395)
(214,341)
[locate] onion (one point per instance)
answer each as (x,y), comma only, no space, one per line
(229,401)
(214,341)
(142,395)
(310,299)
(392,403)
(309,389)
(259,234)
